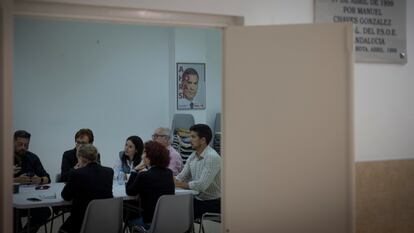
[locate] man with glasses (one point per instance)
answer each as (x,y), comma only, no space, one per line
(69,158)
(162,136)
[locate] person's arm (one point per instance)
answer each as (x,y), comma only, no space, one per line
(41,176)
(66,167)
(68,192)
(185,174)
(176,162)
(208,173)
(134,185)
(22,179)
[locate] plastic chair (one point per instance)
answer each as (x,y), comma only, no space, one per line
(58,211)
(215,217)
(217,123)
(103,215)
(173,214)
(216,142)
(182,121)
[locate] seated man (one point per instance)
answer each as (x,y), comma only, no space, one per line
(163,136)
(69,159)
(90,181)
(29,170)
(202,172)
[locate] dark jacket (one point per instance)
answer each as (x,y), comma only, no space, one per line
(150,185)
(30,163)
(69,160)
(85,184)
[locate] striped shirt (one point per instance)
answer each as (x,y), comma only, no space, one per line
(202,172)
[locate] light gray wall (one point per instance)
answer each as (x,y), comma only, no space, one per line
(111,78)
(383,104)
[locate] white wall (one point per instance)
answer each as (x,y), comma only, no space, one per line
(114,79)
(200,46)
(384,100)
(383,109)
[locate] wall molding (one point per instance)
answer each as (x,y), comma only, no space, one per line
(124,15)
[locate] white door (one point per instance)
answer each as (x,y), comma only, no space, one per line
(287,143)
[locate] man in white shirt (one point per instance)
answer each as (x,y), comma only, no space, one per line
(202,172)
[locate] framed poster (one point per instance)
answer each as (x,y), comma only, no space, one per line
(191,86)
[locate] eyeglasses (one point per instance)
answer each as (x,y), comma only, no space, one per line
(155,136)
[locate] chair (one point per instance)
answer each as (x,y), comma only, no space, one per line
(217,134)
(173,214)
(58,211)
(57,177)
(217,123)
(215,217)
(182,121)
(103,215)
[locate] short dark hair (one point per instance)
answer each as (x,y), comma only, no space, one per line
(203,131)
(157,154)
(86,132)
(21,134)
(189,71)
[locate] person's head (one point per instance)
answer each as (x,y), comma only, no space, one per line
(21,142)
(162,135)
(83,136)
(155,154)
(190,83)
(133,146)
(200,136)
(87,153)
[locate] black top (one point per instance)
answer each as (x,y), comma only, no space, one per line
(69,160)
(150,185)
(85,184)
(30,163)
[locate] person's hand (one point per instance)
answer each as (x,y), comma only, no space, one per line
(36,180)
(22,179)
(180,184)
(16,169)
(140,167)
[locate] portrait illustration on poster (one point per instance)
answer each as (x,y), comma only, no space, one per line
(191,86)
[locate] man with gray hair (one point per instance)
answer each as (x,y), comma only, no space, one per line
(163,136)
(90,181)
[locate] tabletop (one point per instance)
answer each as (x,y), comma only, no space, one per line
(52,197)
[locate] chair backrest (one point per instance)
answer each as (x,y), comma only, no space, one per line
(103,215)
(57,178)
(173,214)
(217,123)
(182,121)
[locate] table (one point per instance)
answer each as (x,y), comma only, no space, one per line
(52,197)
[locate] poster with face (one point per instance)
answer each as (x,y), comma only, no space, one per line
(191,86)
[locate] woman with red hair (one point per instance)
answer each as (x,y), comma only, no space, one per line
(150,180)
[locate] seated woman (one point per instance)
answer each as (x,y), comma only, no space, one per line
(130,157)
(153,180)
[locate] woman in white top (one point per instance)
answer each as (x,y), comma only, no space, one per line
(130,157)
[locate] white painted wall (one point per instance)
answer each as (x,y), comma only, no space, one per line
(200,46)
(114,79)
(384,100)
(383,107)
